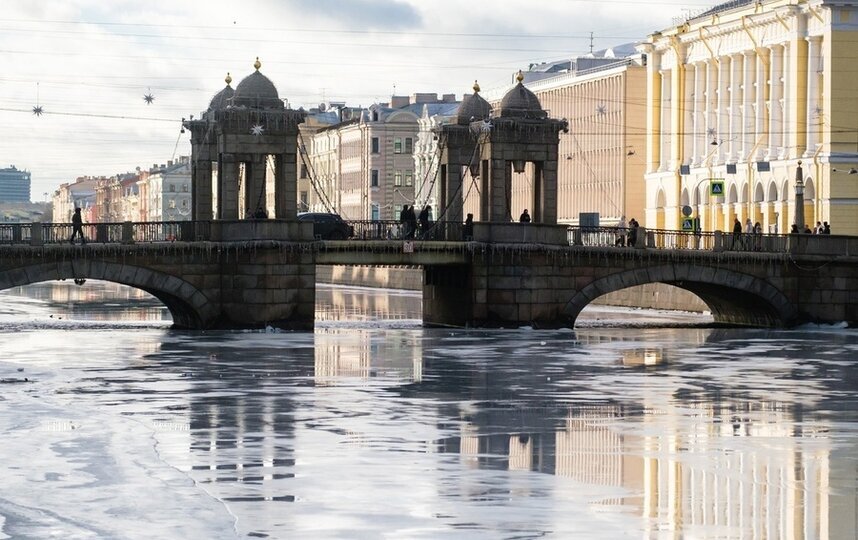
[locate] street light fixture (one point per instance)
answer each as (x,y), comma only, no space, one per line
(799,198)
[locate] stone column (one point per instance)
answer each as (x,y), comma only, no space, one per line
(254,189)
(814,119)
(454,192)
(548,193)
(201,189)
(723,108)
(787,101)
(775,97)
(286,183)
(499,191)
(228,187)
(666,127)
(711,103)
(698,131)
(735,109)
(760,112)
(748,89)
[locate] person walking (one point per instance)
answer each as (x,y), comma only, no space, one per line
(826,228)
(424,220)
(758,236)
(737,233)
(77,227)
(633,232)
(468,230)
(621,232)
(524,217)
(412,222)
(403,221)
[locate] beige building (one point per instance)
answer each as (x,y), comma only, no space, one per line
(601,159)
(742,93)
(364,167)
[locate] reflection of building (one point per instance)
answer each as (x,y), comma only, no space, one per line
(689,469)
(742,92)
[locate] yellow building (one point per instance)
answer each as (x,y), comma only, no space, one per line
(742,93)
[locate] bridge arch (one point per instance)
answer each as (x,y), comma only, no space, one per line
(732,297)
(188,306)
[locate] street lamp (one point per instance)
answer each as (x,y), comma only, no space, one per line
(799,198)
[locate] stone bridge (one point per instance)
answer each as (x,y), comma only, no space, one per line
(248,274)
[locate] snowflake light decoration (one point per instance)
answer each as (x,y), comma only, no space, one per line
(37,110)
(148,98)
(601,108)
(257,130)
(711,132)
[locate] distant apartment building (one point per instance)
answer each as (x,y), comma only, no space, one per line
(165,193)
(602,159)
(14,185)
(78,194)
(363,167)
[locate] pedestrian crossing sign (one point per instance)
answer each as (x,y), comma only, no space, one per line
(688,224)
(716,187)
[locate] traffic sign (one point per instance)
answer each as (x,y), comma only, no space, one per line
(716,187)
(687,224)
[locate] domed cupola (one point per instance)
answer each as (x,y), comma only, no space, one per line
(473,107)
(256,91)
(520,102)
(221,99)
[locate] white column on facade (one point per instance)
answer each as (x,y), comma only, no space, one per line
(689,99)
(711,101)
(775,96)
(666,127)
(735,107)
(813,105)
(748,118)
(697,126)
(787,121)
(723,107)
(761,88)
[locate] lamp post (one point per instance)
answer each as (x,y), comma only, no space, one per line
(799,198)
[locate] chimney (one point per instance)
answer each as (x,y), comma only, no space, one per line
(169,163)
(424,97)
(397,102)
(448,98)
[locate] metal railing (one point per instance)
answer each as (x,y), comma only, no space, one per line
(441,231)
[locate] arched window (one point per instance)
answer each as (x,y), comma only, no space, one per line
(773,192)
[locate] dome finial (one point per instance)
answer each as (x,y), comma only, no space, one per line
(476,86)
(519,76)
(228,79)
(257,64)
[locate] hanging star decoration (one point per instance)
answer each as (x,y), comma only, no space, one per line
(148,97)
(37,110)
(711,132)
(257,130)
(601,108)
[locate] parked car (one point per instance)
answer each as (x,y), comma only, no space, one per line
(327,226)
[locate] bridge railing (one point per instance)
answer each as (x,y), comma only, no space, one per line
(450,231)
(15,233)
(641,237)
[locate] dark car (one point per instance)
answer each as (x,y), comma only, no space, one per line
(327,226)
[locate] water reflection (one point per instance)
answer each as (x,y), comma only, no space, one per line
(372,427)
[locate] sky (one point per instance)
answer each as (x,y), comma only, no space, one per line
(89,63)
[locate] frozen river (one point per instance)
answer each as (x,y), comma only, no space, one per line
(114,426)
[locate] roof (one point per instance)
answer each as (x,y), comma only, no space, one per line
(256,91)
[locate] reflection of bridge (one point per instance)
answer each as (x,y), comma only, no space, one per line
(253,273)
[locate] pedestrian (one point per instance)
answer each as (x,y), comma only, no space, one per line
(621,232)
(826,228)
(77,227)
(412,222)
(737,233)
(807,229)
(524,217)
(403,220)
(818,228)
(468,229)
(794,229)
(633,232)
(424,220)
(758,236)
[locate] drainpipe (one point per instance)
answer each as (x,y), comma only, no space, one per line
(750,178)
(817,203)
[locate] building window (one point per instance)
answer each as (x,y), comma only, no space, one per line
(375,145)
(172,188)
(397,178)
(397,145)
(375,212)
(409,178)
(184,203)
(184,188)
(375,116)
(304,205)
(303,171)
(172,203)
(409,145)
(373,180)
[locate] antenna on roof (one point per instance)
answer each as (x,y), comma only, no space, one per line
(591,42)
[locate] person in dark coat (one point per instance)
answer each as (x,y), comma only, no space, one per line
(412,222)
(468,230)
(424,220)
(737,233)
(77,227)
(525,217)
(403,220)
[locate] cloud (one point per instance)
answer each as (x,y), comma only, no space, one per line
(366,14)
